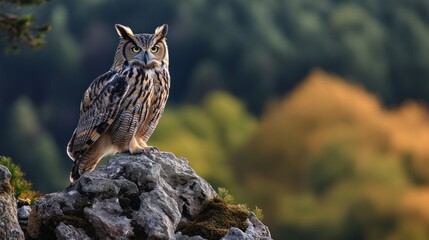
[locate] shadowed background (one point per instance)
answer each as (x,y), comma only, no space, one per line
(314,111)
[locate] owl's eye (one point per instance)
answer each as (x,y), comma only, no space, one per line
(154,49)
(135,49)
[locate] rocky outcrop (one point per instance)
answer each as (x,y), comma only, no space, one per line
(130,197)
(9,226)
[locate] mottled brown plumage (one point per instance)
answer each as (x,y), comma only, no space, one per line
(121,108)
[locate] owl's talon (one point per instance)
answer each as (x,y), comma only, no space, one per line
(148,150)
(153,149)
(144,150)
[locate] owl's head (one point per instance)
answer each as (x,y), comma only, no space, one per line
(146,50)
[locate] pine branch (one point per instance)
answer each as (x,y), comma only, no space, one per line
(21,29)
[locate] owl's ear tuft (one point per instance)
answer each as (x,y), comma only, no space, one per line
(124,32)
(161,31)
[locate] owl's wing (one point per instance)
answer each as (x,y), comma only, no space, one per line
(97,115)
(94,89)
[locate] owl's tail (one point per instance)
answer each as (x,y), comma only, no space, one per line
(74,174)
(85,162)
(82,164)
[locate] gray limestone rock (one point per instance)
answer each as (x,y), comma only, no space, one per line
(24,212)
(9,225)
(105,217)
(164,217)
(130,197)
(68,232)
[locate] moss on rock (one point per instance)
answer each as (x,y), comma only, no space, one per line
(215,220)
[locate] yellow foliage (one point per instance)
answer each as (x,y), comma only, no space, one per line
(330,156)
(21,187)
(326,111)
(414,204)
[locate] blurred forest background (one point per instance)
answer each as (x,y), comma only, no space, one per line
(316,111)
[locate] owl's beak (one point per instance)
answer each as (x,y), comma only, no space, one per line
(145,58)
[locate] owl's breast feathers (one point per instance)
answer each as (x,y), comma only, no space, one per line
(157,104)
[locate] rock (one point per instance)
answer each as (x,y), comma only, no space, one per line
(68,232)
(105,217)
(24,212)
(132,196)
(9,226)
(137,197)
(179,236)
(255,230)
(164,217)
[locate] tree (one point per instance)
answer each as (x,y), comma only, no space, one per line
(330,162)
(21,28)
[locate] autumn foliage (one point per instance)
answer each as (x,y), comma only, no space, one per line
(21,187)
(330,162)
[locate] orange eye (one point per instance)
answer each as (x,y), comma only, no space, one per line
(154,49)
(135,49)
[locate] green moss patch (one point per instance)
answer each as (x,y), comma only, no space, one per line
(215,220)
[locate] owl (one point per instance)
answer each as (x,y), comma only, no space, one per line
(121,108)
